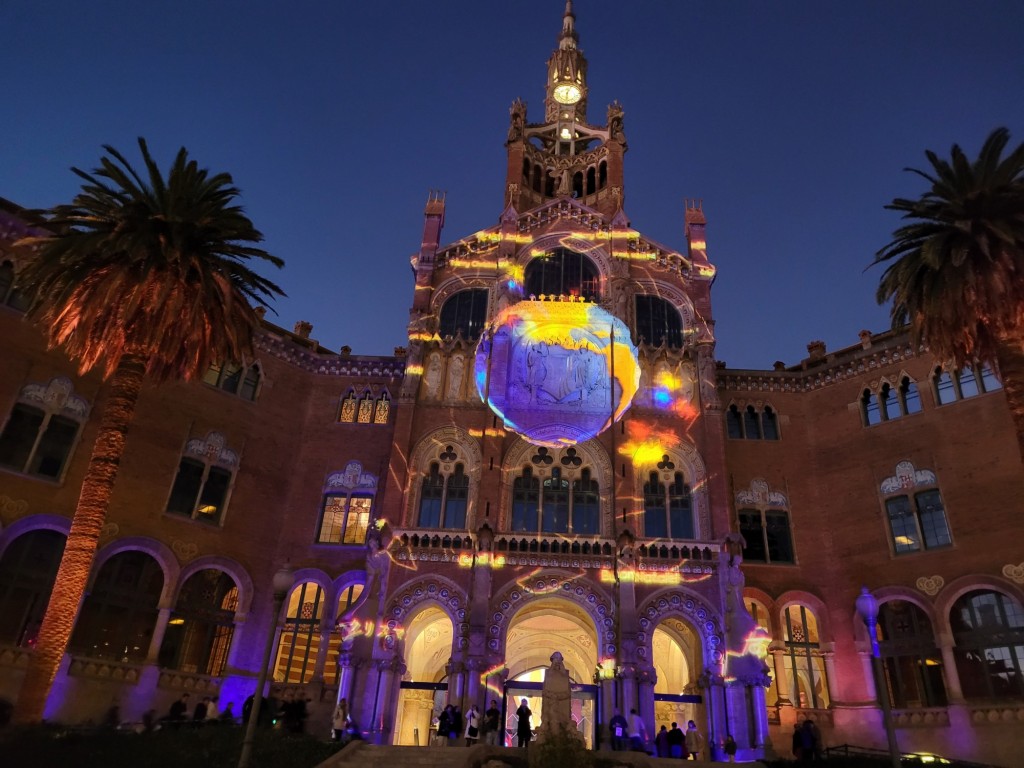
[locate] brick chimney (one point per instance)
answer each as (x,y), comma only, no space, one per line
(303,329)
(816,350)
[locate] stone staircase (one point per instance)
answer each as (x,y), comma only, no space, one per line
(359,754)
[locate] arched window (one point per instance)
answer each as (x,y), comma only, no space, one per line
(241,380)
(464,313)
(988,630)
(562,272)
(913,662)
(734,423)
(567,501)
(945,390)
(602,171)
(364,414)
(299,645)
(347,412)
(383,409)
(591,181)
(769,424)
(971,381)
(202,624)
(910,398)
(118,615)
(887,403)
(42,429)
(577,184)
(444,498)
(751,424)
(804,663)
(28,570)
(668,509)
(525,497)
(870,409)
(658,321)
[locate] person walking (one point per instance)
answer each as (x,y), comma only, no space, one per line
(444,725)
(694,741)
(524,731)
(638,731)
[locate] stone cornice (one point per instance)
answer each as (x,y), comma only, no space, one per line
(362,366)
(842,366)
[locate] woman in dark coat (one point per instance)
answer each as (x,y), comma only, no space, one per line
(523,730)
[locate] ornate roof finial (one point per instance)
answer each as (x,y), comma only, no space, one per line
(569,38)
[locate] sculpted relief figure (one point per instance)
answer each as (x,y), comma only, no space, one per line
(455,371)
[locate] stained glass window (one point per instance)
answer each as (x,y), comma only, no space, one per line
(366,409)
(345,519)
(347,413)
(358,519)
(380,415)
(803,660)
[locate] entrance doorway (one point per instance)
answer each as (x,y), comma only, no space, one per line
(428,646)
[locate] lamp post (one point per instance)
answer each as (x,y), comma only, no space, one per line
(282,582)
(867,608)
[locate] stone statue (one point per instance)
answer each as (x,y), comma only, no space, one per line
(556,700)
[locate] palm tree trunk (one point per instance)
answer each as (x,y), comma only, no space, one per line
(1010,357)
(80,550)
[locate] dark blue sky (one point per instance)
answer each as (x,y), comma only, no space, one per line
(791,120)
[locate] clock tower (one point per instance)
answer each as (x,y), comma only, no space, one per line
(565,156)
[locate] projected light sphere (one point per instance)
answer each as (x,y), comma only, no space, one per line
(557,372)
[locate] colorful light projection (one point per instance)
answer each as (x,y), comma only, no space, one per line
(557,372)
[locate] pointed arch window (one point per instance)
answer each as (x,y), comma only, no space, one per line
(562,272)
(970,381)
(668,508)
(347,412)
(658,321)
(769,424)
(366,406)
(734,423)
(444,497)
(383,409)
(465,314)
(751,424)
(566,501)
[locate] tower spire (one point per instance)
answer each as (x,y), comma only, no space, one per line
(568,38)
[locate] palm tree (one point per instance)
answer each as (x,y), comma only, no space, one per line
(956,271)
(146,279)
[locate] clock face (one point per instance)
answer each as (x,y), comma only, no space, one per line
(567,93)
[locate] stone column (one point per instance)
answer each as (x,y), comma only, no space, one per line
(474,665)
(954,693)
(456,681)
(781,678)
(757,697)
(646,679)
(347,664)
(628,688)
(321,654)
(830,674)
(162,617)
(389,673)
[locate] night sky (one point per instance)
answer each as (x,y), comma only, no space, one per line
(791,120)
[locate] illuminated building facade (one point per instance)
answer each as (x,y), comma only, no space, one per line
(555,462)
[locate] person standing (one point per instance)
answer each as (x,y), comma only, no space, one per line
(730,748)
(620,731)
(661,742)
(444,725)
(472,725)
(199,713)
(675,741)
(524,731)
(694,741)
(456,727)
(176,715)
(492,724)
(338,719)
